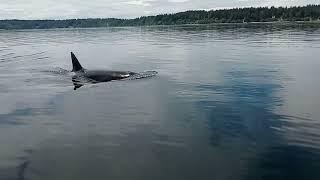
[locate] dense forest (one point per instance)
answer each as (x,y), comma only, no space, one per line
(236,15)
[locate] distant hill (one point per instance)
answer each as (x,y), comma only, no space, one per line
(236,15)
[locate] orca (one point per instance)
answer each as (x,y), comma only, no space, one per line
(94,76)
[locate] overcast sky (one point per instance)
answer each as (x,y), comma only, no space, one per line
(63,9)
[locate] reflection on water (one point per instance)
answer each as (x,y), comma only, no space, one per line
(229,102)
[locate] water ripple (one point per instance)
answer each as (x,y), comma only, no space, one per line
(235,95)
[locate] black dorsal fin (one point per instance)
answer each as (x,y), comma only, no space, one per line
(75,63)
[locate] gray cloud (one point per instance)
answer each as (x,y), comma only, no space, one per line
(62,9)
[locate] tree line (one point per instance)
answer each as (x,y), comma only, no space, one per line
(236,15)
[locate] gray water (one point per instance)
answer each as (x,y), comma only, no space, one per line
(229,102)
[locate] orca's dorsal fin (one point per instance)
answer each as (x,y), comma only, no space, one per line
(76,66)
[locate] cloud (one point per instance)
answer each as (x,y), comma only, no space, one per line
(144,3)
(63,9)
(178,1)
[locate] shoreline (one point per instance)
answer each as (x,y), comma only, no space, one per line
(315,22)
(251,15)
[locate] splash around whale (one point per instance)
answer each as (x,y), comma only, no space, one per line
(83,76)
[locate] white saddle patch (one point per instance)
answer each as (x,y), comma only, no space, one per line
(125,75)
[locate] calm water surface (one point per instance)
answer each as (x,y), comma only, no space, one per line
(229,102)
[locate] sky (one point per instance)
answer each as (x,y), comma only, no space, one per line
(66,9)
